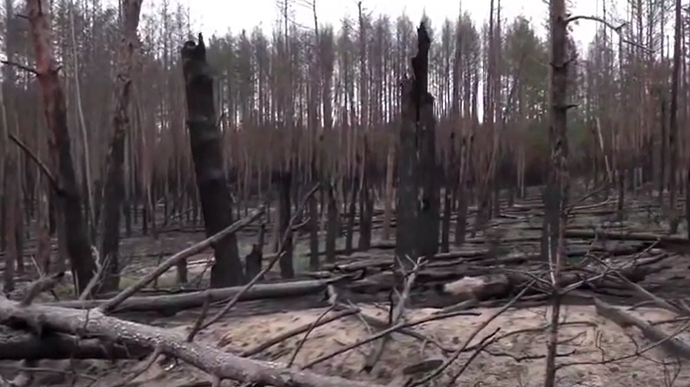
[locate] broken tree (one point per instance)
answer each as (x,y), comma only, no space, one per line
(205,142)
(55,112)
(418,199)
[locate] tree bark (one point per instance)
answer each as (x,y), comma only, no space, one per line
(205,142)
(171,304)
(417,219)
(16,345)
(114,188)
(54,109)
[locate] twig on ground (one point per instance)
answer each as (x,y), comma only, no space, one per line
(200,320)
(481,327)
(263,272)
(670,344)
(384,332)
(111,304)
(396,315)
(638,352)
(147,364)
(296,331)
(306,335)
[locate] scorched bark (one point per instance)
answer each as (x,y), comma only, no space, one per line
(205,142)
(55,112)
(114,190)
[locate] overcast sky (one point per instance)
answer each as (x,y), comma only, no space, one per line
(220,15)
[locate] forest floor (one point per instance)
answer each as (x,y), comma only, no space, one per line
(593,350)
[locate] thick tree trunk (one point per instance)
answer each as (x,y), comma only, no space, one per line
(69,202)
(205,142)
(114,189)
(417,221)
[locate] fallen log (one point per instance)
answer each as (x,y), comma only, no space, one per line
(483,283)
(669,343)
(485,257)
(627,236)
(93,323)
(18,345)
(171,304)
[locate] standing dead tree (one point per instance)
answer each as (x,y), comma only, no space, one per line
(70,212)
(418,199)
(205,142)
(114,188)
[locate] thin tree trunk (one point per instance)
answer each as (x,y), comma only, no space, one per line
(114,188)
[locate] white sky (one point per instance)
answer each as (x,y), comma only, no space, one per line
(220,15)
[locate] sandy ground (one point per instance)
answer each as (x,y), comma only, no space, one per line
(516,360)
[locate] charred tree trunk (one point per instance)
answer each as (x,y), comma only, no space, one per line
(417,221)
(331,223)
(287,269)
(114,189)
(205,142)
(463,191)
(555,194)
(450,179)
(673,120)
(253,260)
(54,109)
(10,220)
(366,207)
(428,195)
(558,183)
(388,204)
(662,152)
(313,233)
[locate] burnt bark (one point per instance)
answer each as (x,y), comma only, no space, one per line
(205,143)
(68,203)
(331,224)
(10,219)
(418,200)
(313,233)
(366,206)
(557,186)
(114,187)
(450,180)
(287,268)
(351,213)
(254,258)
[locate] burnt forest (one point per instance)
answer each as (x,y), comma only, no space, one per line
(381,200)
